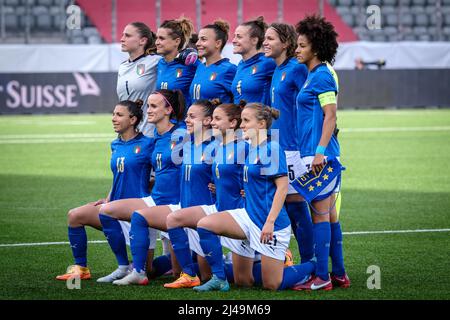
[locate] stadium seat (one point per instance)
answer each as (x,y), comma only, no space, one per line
(343,10)
(420,30)
(333,2)
(446,19)
(388,9)
(344,2)
(12,3)
(42,18)
(378,37)
(421,19)
(419,2)
(94,39)
(348,19)
(45,2)
(406,19)
(392,19)
(77,40)
(11,19)
(424,37)
(390,3)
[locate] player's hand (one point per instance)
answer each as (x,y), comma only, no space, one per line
(99,202)
(318,163)
(242,193)
(267,232)
(212,187)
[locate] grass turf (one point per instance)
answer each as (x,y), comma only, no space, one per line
(396,179)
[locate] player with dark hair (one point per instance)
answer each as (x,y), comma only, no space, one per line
(316,122)
(254,72)
(136,78)
(163,107)
(130,165)
(263,224)
(287,80)
(213,78)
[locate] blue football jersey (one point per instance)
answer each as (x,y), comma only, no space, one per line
(196,173)
(310,114)
(287,80)
(167,173)
(227,172)
(213,81)
(174,75)
(252,80)
(131,167)
(264,163)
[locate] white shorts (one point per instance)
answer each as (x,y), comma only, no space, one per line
(126,227)
(296,168)
(234,245)
(333,187)
(173,207)
(275,249)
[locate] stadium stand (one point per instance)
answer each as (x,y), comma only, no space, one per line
(43,21)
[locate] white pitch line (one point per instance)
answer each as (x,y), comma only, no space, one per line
(344,233)
(396,129)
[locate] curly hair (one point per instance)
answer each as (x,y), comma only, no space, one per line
(322,36)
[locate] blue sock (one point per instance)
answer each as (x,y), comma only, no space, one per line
(336,252)
(78,243)
(139,241)
(257,274)
(322,237)
(295,274)
(229,272)
(302,227)
(161,264)
(180,245)
(116,239)
(212,248)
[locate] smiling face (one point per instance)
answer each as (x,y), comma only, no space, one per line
(242,42)
(196,119)
(121,119)
(165,44)
(304,53)
(273,47)
(157,108)
(221,122)
(250,123)
(207,45)
(131,40)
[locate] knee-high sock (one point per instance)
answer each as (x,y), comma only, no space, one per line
(212,248)
(180,245)
(78,243)
(257,274)
(139,241)
(302,227)
(295,274)
(322,237)
(336,252)
(116,239)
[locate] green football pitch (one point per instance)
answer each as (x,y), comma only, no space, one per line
(395,209)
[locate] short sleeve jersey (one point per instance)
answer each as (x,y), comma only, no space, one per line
(264,164)
(213,81)
(252,80)
(310,115)
(131,167)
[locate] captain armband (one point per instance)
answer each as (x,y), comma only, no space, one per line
(327,98)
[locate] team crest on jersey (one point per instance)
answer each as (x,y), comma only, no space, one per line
(217,171)
(213,76)
(172,145)
(254,69)
(179,72)
(140,69)
(283,76)
(137,149)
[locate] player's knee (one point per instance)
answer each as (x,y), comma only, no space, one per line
(207,224)
(72,216)
(271,285)
(106,209)
(243,281)
(173,220)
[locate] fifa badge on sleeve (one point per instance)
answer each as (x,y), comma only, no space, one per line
(310,185)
